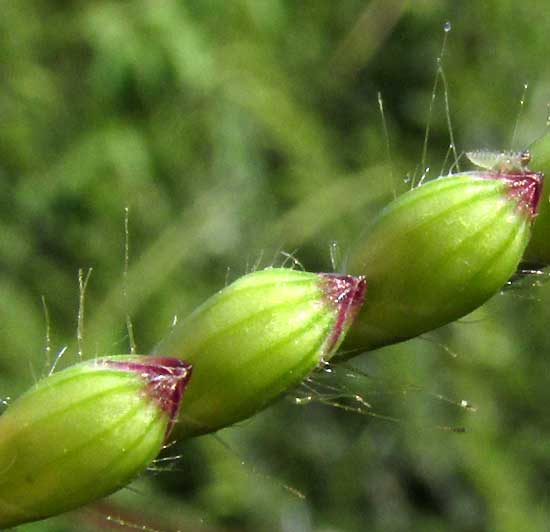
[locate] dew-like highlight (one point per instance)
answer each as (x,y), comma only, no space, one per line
(82,285)
(335,255)
(519,115)
(527,276)
(129,324)
(290,257)
(439,77)
(356,391)
(4,403)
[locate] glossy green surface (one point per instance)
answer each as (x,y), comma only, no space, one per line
(76,436)
(435,254)
(253,340)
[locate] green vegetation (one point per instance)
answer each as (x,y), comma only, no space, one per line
(538,250)
(237,130)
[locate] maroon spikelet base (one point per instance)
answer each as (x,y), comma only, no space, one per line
(525,187)
(347,294)
(165,378)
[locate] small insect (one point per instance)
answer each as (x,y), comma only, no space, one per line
(502,162)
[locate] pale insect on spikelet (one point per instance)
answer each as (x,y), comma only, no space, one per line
(502,162)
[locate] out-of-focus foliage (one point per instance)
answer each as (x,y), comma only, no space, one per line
(237,130)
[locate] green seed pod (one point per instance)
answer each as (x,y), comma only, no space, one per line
(84,432)
(538,250)
(257,338)
(439,251)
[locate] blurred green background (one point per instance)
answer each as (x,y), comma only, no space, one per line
(237,132)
